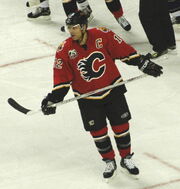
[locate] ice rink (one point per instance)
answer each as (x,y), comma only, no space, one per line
(50,152)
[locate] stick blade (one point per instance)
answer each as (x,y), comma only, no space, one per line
(17,106)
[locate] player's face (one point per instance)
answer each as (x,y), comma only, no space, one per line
(75,31)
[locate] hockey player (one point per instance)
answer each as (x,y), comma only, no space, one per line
(86,62)
(174,9)
(155,19)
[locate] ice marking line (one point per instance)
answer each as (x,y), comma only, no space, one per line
(162,161)
(45,43)
(162,184)
(25,60)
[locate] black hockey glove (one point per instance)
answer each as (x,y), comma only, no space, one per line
(55,96)
(149,67)
(46,107)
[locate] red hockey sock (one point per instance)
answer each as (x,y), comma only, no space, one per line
(122,138)
(115,8)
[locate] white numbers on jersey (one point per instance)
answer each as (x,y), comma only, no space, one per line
(118,39)
(99,43)
(58,63)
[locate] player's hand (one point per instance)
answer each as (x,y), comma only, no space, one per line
(149,67)
(47,106)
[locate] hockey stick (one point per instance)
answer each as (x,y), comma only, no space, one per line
(26,111)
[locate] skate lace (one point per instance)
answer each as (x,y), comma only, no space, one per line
(37,11)
(123,21)
(109,167)
(129,163)
(87,11)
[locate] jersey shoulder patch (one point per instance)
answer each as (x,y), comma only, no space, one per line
(103,29)
(61,46)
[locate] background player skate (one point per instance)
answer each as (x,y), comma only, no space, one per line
(174,9)
(86,61)
(38,10)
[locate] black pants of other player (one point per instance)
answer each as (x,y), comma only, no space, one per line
(155,19)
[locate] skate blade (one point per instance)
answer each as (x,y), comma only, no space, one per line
(40,18)
(108,180)
(124,171)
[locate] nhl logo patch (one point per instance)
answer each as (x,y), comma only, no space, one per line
(72,54)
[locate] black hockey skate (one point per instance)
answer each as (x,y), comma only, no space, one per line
(40,14)
(110,169)
(128,166)
(175,20)
(124,23)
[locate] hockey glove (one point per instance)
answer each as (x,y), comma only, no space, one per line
(47,106)
(149,67)
(48,103)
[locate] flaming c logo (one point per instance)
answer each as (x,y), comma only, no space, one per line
(86,66)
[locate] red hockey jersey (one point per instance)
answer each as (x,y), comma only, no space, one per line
(90,67)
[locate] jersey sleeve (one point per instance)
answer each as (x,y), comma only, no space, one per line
(119,49)
(62,73)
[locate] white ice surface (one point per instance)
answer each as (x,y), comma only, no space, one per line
(55,152)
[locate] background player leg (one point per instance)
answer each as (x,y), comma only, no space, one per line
(85,7)
(116,9)
(155,19)
(69,6)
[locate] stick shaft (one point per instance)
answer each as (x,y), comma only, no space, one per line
(26,111)
(101,90)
